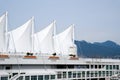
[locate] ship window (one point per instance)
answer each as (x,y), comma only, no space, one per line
(107,67)
(33,77)
(40,77)
(74,74)
(107,73)
(59,75)
(113,66)
(96,73)
(71,66)
(92,73)
(99,66)
(95,66)
(88,73)
(83,73)
(46,77)
(27,78)
(78,74)
(103,73)
(8,67)
(52,76)
(110,73)
(110,66)
(4,78)
(69,74)
(91,66)
(117,67)
(64,74)
(99,73)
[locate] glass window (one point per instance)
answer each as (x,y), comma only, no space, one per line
(99,73)
(69,74)
(27,77)
(74,74)
(103,73)
(107,67)
(59,75)
(117,67)
(107,73)
(64,74)
(52,76)
(96,73)
(88,73)
(4,78)
(113,66)
(83,73)
(110,73)
(91,66)
(92,73)
(79,74)
(40,77)
(33,77)
(46,77)
(110,66)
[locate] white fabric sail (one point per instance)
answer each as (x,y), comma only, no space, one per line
(43,40)
(64,41)
(3,32)
(20,39)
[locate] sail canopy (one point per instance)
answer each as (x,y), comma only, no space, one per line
(20,39)
(43,40)
(23,39)
(64,41)
(3,32)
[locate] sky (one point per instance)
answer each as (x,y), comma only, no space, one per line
(94,20)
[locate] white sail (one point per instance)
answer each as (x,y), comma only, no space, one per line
(43,40)
(20,39)
(3,32)
(64,41)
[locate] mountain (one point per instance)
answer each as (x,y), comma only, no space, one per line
(97,49)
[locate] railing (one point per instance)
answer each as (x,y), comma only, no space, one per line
(14,77)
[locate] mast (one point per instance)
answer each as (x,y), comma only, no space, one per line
(6,34)
(32,34)
(73,32)
(54,24)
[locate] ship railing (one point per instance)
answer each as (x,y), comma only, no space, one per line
(15,76)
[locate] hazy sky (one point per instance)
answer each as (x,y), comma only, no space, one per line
(95,20)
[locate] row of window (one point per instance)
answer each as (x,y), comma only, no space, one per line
(109,67)
(39,77)
(79,74)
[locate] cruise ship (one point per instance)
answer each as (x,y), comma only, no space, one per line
(45,55)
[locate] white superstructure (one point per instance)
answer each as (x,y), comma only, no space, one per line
(45,55)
